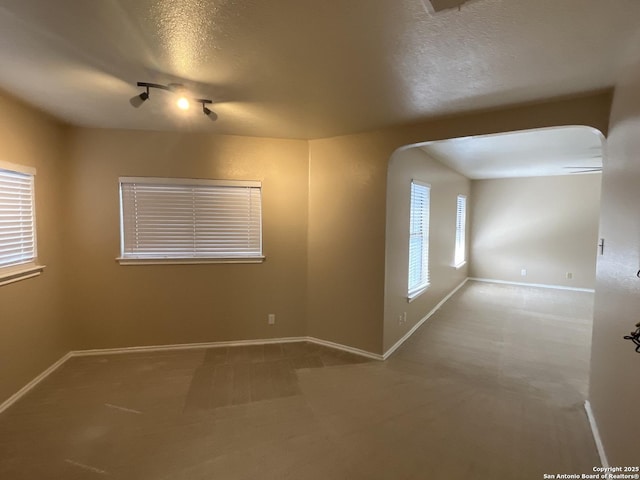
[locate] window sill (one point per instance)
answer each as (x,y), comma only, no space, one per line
(460,265)
(187,261)
(417,293)
(17,274)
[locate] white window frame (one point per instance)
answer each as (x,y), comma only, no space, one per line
(26,267)
(416,220)
(198,188)
(460,250)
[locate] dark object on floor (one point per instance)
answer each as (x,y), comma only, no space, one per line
(635,337)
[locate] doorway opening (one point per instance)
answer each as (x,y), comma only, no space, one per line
(532,217)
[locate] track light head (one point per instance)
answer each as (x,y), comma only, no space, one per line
(138,100)
(207,111)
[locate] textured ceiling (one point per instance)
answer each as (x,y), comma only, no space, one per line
(530,153)
(306,68)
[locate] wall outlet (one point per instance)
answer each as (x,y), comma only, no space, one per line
(569,275)
(402,318)
(523,272)
(271,319)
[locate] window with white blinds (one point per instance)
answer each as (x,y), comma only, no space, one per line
(17,219)
(461,231)
(190,220)
(419,239)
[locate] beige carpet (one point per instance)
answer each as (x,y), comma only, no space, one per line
(492,387)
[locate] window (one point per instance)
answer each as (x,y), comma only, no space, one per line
(461,231)
(190,221)
(419,239)
(18,252)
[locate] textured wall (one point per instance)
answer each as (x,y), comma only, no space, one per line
(446,185)
(324,215)
(615,366)
(546,225)
(33,333)
(347,220)
(116,306)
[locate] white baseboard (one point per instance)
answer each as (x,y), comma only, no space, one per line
(233,343)
(29,386)
(596,434)
(397,345)
(539,285)
(184,346)
(181,346)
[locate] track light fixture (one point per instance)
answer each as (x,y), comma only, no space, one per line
(183,101)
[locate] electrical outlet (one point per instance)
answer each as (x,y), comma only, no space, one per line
(400,319)
(404,317)
(523,272)
(569,275)
(271,319)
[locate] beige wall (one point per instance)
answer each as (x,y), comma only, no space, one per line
(324,227)
(33,334)
(615,366)
(446,185)
(347,195)
(546,225)
(116,306)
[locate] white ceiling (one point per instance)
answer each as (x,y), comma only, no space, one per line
(306,68)
(530,153)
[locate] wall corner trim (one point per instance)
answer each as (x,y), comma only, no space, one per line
(345,348)
(596,434)
(406,336)
(32,384)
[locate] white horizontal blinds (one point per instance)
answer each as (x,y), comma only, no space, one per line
(461,227)
(17,225)
(419,237)
(181,220)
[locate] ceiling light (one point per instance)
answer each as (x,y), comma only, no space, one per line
(183,101)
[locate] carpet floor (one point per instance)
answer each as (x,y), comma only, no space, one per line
(491,387)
